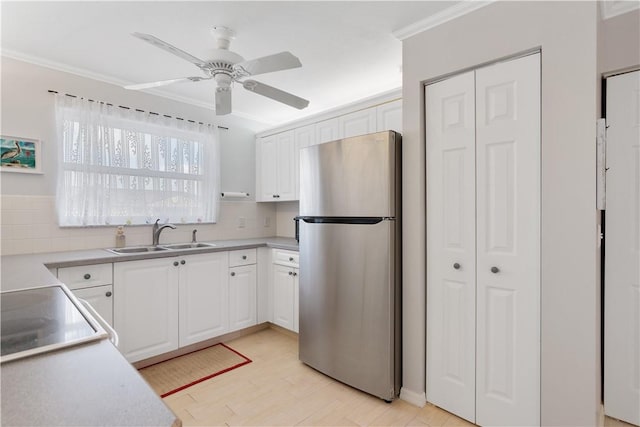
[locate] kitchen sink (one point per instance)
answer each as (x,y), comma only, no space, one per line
(178,246)
(137,249)
(170,247)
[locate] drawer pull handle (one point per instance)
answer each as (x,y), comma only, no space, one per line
(291,273)
(295,274)
(108,294)
(87,276)
(456,266)
(175,263)
(495,270)
(244,257)
(291,258)
(183,262)
(233,273)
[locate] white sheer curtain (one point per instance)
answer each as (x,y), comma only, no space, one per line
(119,166)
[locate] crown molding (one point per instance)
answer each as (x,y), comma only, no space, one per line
(360,104)
(611,8)
(446,15)
(258,122)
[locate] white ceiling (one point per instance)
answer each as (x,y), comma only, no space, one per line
(347,49)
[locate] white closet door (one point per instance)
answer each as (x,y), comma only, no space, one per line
(451,294)
(622,255)
(508,243)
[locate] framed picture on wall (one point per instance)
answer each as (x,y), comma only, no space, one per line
(22,155)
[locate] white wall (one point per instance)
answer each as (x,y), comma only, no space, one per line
(285,212)
(27,110)
(566,33)
(619,42)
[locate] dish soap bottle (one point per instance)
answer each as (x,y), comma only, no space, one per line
(120,237)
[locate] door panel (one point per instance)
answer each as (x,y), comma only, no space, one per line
(350,177)
(267,158)
(622,256)
(204,300)
(347,303)
(508,242)
(287,166)
(450,146)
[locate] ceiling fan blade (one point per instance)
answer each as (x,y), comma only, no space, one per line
(223,101)
(268,64)
(164,83)
(169,48)
(275,94)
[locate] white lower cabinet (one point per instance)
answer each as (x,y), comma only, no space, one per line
(100,298)
(167,303)
(203,297)
(92,283)
(242,297)
(145,311)
(285,280)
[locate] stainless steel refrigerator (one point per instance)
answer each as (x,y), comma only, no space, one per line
(350,261)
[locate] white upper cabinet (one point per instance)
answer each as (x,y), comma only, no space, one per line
(305,136)
(389,116)
(277,167)
(278,155)
(266,160)
(328,130)
(358,123)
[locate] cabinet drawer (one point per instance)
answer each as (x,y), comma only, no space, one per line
(243,257)
(284,257)
(86,276)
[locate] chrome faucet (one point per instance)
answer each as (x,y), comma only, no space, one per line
(157,229)
(193,236)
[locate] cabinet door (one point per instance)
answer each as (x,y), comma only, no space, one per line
(296,297)
(451,245)
(508,242)
(100,298)
(145,309)
(328,130)
(304,137)
(287,166)
(622,258)
(266,159)
(284,297)
(358,123)
(389,116)
(204,287)
(242,297)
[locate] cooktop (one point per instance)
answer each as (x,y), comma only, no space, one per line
(38,320)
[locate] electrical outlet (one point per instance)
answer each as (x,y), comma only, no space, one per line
(267,221)
(241,222)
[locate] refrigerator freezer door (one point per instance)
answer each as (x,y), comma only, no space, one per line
(351,177)
(349,304)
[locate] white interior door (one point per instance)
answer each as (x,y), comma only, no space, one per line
(508,243)
(451,245)
(622,256)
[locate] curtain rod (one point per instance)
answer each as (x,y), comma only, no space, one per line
(141,111)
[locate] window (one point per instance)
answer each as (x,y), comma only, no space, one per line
(119,166)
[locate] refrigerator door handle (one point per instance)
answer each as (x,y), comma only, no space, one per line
(343,220)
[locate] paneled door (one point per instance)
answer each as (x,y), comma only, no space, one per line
(483,243)
(508,243)
(622,251)
(451,245)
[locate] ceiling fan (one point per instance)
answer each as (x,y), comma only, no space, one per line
(226,67)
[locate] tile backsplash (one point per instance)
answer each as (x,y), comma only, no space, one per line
(29,225)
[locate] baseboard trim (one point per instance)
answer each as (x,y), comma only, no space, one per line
(416,399)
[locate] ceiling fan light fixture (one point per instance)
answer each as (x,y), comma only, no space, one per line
(223,36)
(226,67)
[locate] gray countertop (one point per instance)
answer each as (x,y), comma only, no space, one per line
(90,384)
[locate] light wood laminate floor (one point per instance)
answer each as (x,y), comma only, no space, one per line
(277,389)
